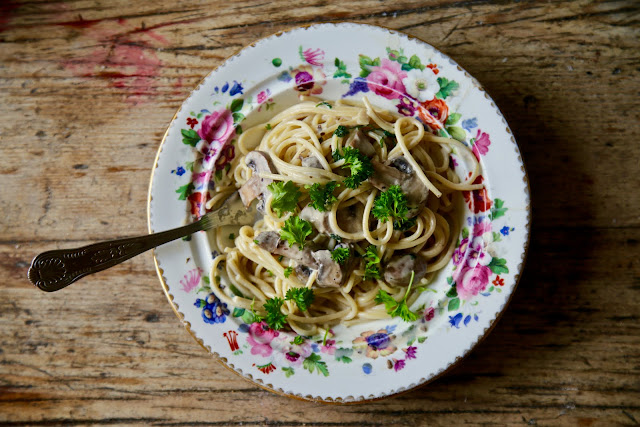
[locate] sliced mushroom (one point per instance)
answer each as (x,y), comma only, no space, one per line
(256,186)
(271,242)
(330,273)
(311,162)
(320,220)
(350,218)
(398,269)
(362,142)
(398,171)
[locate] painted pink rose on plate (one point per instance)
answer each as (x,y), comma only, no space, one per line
(472,280)
(386,79)
(260,337)
(217,127)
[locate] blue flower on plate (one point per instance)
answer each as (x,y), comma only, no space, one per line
(213,310)
(504,230)
(180,171)
(469,124)
(455,320)
(236,89)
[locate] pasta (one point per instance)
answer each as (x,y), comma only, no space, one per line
(299,145)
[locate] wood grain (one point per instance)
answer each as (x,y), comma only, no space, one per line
(86,92)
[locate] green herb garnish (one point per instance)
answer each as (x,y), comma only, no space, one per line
(391,205)
(359,165)
(284,196)
(303,297)
(397,309)
(372,263)
(341,131)
(322,195)
(340,255)
(288,271)
(295,231)
(275,318)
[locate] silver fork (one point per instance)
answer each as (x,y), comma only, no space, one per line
(57,269)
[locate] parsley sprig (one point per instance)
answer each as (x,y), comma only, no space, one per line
(359,165)
(284,197)
(391,205)
(275,318)
(341,131)
(340,255)
(288,271)
(397,309)
(372,263)
(322,195)
(295,231)
(303,297)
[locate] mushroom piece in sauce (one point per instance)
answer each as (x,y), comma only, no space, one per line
(349,219)
(398,171)
(255,187)
(398,269)
(330,273)
(362,142)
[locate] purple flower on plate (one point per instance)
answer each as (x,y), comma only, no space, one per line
(406,107)
(359,84)
(398,364)
(411,352)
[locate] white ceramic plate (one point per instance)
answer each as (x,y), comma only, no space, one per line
(334,61)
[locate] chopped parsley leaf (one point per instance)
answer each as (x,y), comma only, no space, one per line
(284,197)
(372,263)
(359,165)
(391,205)
(295,231)
(303,297)
(340,255)
(397,309)
(288,271)
(322,195)
(341,131)
(275,318)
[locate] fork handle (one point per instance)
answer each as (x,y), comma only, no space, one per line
(57,269)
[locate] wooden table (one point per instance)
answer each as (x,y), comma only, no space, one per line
(87,90)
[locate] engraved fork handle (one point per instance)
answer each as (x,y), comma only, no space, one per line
(57,269)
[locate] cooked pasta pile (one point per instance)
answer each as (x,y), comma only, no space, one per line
(299,145)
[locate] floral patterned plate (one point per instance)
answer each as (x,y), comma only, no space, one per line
(396,72)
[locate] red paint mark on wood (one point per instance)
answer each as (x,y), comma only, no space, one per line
(178,85)
(6,10)
(124,55)
(80,23)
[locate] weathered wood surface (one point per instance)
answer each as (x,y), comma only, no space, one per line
(86,92)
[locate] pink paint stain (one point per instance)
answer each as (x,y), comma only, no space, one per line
(124,56)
